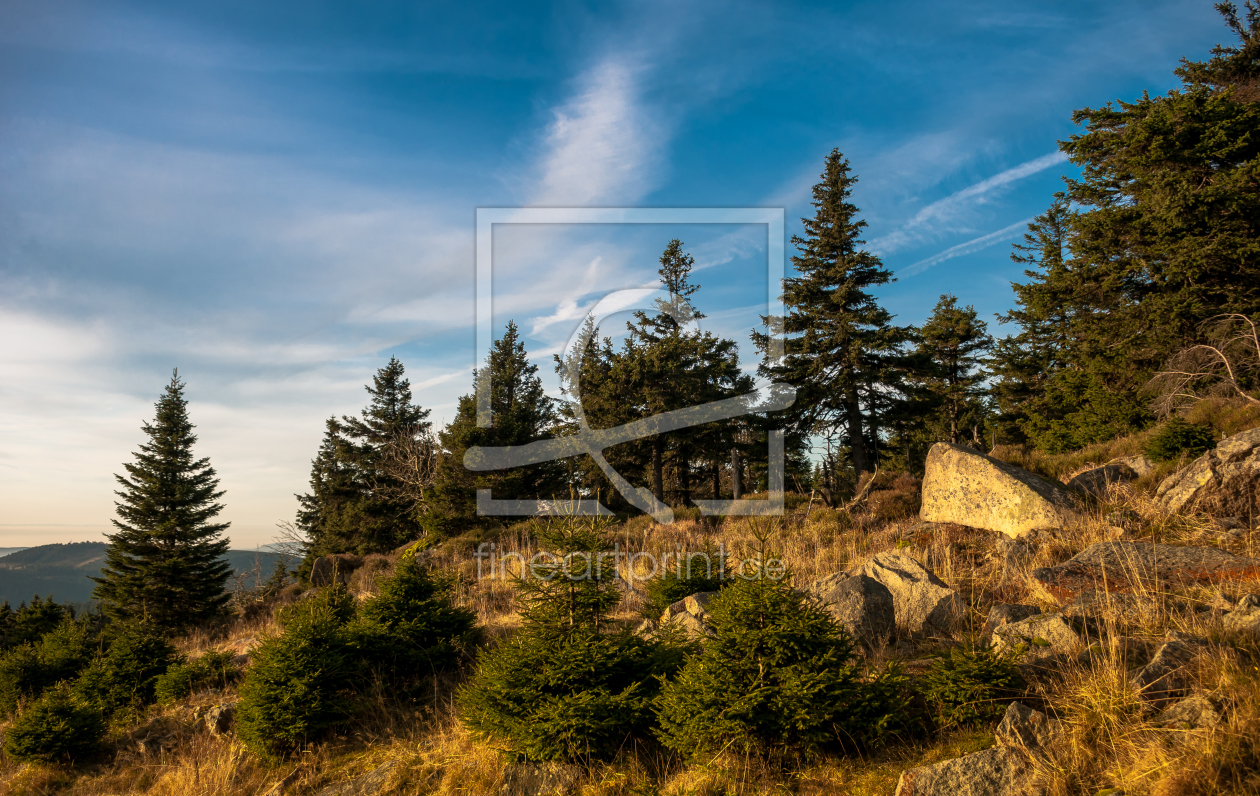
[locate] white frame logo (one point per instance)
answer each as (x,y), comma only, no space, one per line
(593,442)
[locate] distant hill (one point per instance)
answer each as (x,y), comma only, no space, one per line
(62,570)
(4,551)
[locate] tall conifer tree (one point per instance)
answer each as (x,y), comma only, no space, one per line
(165,560)
(953,343)
(836,333)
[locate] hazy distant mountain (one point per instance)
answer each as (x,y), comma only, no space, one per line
(4,551)
(62,570)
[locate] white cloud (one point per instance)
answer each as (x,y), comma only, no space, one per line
(952,213)
(969,247)
(602,146)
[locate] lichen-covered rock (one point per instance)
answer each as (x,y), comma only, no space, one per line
(1026,729)
(219,718)
(966,487)
(1223,482)
(1136,566)
(365,785)
(999,771)
(1127,609)
(1192,713)
(1000,615)
(1098,481)
(862,604)
(922,603)
(1039,640)
(1139,464)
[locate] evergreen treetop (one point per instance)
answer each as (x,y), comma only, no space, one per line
(165,559)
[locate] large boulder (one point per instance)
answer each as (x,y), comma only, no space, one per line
(1139,464)
(1138,566)
(365,785)
(1098,481)
(1222,482)
(1168,675)
(966,487)
(1024,728)
(922,603)
(862,604)
(1001,614)
(999,771)
(1043,639)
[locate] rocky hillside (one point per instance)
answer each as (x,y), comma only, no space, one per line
(1129,607)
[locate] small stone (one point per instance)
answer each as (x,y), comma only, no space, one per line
(1244,616)
(1192,713)
(219,718)
(1043,639)
(365,785)
(1166,676)
(1026,729)
(1000,615)
(999,771)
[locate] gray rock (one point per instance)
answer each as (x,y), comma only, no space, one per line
(691,614)
(1139,464)
(1000,615)
(922,603)
(365,785)
(964,486)
(999,771)
(1166,677)
(1126,608)
(1245,616)
(1192,713)
(1223,482)
(1130,652)
(1098,481)
(219,718)
(1046,639)
(1136,566)
(860,603)
(1026,729)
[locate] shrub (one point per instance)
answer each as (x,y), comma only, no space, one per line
(55,727)
(970,685)
(126,674)
(1176,437)
(300,682)
(692,574)
(777,676)
(31,668)
(182,679)
(564,688)
(410,628)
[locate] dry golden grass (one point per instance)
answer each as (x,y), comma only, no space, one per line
(1110,737)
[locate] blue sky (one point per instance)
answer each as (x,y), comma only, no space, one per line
(277,197)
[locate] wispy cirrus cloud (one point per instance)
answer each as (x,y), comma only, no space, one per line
(951,214)
(969,247)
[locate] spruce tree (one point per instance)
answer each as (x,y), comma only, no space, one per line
(836,333)
(521,412)
(953,343)
(357,502)
(164,562)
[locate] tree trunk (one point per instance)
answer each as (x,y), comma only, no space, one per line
(736,486)
(684,473)
(716,473)
(658,475)
(857,444)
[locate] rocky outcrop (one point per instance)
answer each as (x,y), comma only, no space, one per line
(922,603)
(862,604)
(1127,609)
(1098,481)
(1192,713)
(966,487)
(1136,566)
(1139,464)
(219,718)
(335,568)
(691,614)
(1223,482)
(1038,640)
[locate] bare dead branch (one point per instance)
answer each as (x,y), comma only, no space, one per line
(1226,364)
